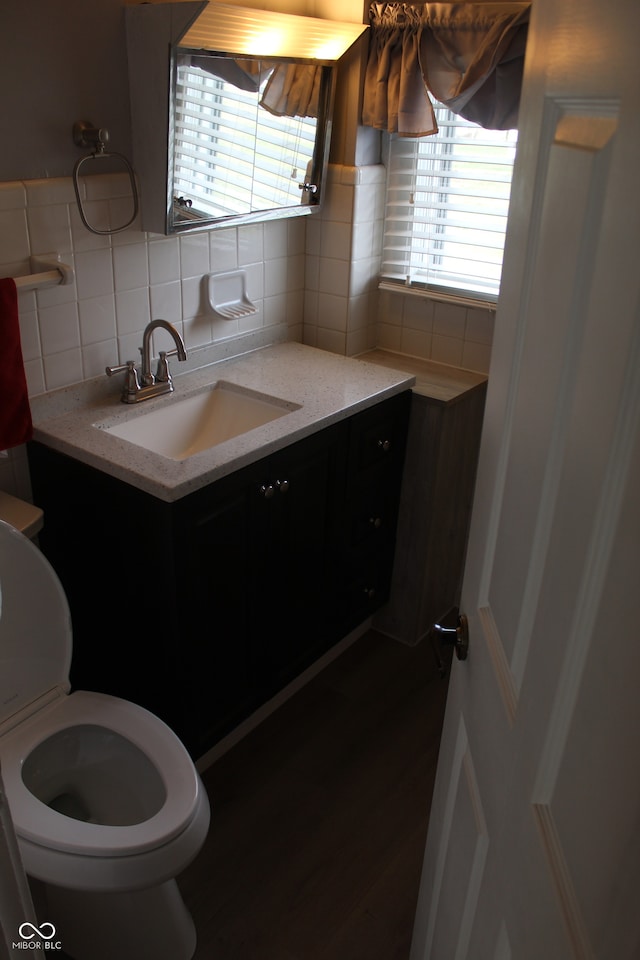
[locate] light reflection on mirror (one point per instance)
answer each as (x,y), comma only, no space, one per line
(248,138)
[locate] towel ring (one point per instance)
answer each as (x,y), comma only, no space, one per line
(86,135)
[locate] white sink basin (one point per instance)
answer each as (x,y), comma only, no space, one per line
(179,428)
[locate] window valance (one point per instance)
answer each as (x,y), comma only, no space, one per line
(469,56)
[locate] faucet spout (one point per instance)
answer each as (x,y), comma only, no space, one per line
(147,377)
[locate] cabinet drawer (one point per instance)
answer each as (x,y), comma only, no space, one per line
(372,517)
(378,438)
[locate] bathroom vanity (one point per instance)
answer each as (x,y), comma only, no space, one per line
(200,588)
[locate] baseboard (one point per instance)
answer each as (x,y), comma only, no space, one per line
(223,746)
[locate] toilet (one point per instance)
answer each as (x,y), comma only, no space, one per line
(106,803)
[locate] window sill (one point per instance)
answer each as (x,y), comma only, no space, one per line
(460,299)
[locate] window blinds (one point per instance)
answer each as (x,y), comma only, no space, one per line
(231,155)
(446,207)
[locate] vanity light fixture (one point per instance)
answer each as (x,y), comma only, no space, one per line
(244,31)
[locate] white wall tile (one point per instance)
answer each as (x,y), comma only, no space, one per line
(62,292)
(418,313)
(276,241)
(296,234)
(223,250)
(130,267)
(223,329)
(197,332)
(63,369)
(339,203)
(331,340)
(476,356)
(97,214)
(250,244)
(363,277)
(166,301)
(358,341)
(29,335)
(120,213)
(332,312)
(49,228)
(132,313)
(362,240)
(94,273)
(274,309)
(334,277)
(336,240)
(479,328)
(389,337)
(193,302)
(164,260)
(295,308)
(194,255)
(59,328)
(49,191)
(255,281)
(97,356)
(296,271)
(416,343)
(447,350)
(449,320)
(275,277)
(97,320)
(34,372)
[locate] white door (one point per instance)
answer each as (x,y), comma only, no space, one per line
(533,850)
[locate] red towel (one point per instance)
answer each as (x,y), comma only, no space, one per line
(15,413)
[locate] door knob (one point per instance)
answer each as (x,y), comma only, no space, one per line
(457,636)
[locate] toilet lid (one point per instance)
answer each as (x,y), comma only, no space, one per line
(35,624)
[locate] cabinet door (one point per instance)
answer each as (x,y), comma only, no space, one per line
(288,626)
(214,540)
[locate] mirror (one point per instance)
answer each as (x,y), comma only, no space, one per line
(230,111)
(249,139)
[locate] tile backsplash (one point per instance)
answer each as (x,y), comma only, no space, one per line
(71,332)
(313,279)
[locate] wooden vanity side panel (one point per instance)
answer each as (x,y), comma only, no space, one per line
(435,512)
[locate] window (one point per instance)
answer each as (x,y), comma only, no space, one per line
(446,208)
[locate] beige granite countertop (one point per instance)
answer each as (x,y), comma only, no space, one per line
(437,381)
(325,386)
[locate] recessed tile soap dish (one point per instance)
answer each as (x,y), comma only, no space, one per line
(228,295)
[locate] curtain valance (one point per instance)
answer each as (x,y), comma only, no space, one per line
(469,56)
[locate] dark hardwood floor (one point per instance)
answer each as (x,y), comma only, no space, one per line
(319,816)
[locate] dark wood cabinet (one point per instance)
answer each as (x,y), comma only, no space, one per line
(204,608)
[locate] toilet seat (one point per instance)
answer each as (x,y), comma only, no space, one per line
(40,824)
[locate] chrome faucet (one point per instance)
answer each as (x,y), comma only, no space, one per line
(144,385)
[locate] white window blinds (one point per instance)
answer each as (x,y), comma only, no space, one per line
(232,156)
(446,207)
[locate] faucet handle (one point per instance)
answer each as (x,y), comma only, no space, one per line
(162,372)
(131,381)
(121,368)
